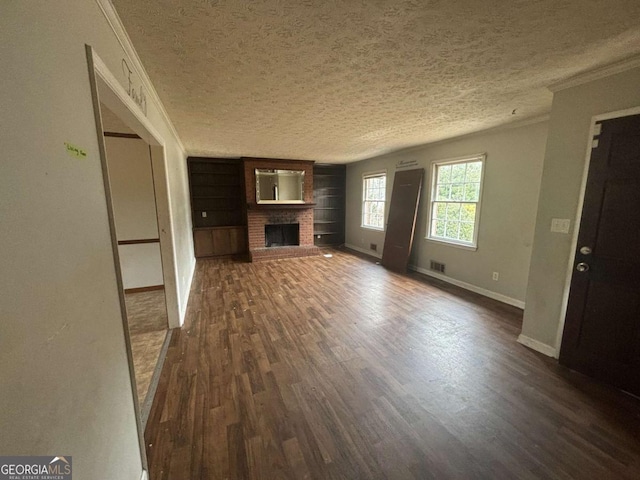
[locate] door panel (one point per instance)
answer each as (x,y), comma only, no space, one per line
(238,240)
(402,219)
(619,224)
(203,243)
(221,241)
(602,327)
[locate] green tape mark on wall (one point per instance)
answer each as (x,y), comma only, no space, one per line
(75,151)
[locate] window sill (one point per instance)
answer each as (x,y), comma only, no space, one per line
(375,229)
(448,243)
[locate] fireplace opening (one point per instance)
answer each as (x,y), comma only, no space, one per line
(281,235)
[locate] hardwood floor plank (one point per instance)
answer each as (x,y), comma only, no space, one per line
(334,368)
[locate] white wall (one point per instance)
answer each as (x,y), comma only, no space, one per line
(564,163)
(65,379)
(511,183)
(141,265)
(134,210)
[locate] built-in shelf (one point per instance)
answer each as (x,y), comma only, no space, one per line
(229,227)
(216,187)
(329,193)
(280,206)
(210,196)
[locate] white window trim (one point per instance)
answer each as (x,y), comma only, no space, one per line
(453,243)
(364,177)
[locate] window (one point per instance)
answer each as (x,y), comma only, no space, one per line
(374,188)
(455,201)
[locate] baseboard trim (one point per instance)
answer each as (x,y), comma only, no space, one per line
(184,302)
(538,346)
(472,288)
(371,253)
(155,379)
(144,289)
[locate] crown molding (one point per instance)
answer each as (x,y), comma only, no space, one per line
(113,19)
(485,131)
(519,123)
(596,74)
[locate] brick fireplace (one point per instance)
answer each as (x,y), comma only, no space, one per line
(259,215)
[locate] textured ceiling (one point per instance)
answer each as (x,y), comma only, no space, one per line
(342,80)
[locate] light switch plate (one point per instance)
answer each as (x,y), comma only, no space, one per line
(204,214)
(560,225)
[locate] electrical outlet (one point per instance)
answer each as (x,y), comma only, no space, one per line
(204,214)
(495,276)
(373,246)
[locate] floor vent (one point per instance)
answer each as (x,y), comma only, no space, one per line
(437,267)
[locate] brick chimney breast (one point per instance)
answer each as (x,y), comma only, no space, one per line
(257,218)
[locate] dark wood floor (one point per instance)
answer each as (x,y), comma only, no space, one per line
(336,368)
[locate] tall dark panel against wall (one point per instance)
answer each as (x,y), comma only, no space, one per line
(217,206)
(329,185)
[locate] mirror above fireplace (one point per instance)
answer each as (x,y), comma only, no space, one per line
(279,186)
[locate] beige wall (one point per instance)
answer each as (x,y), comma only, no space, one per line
(65,379)
(134,202)
(564,164)
(512,176)
(134,210)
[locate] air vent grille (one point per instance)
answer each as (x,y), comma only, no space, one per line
(437,266)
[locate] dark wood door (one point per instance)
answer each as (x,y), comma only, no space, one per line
(602,328)
(402,219)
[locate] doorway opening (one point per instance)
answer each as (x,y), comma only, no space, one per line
(135,214)
(144,259)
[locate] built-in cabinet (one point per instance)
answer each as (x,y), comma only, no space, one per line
(329,186)
(211,241)
(217,206)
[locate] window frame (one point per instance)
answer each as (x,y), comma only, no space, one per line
(481,157)
(365,176)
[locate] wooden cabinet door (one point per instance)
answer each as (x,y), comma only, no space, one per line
(221,241)
(211,242)
(203,243)
(238,240)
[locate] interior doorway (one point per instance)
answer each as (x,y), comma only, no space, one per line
(110,97)
(135,214)
(602,326)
